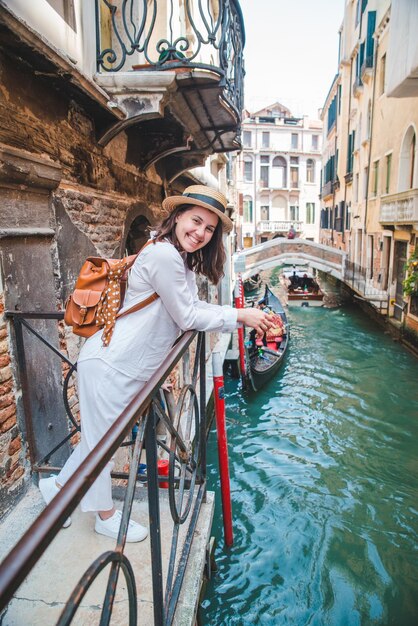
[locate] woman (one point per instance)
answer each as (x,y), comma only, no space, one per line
(188,241)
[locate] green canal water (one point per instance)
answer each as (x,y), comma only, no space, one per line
(324,480)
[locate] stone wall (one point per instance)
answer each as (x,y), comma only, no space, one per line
(64,197)
(12,460)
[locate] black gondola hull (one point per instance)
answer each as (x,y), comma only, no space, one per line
(263,365)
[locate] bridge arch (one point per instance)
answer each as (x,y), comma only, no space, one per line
(283,251)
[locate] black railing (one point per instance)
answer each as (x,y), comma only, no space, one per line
(356,275)
(185,423)
(207,36)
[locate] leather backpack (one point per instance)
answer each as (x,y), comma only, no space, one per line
(98,296)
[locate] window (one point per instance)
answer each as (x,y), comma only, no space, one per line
(294,213)
(350,151)
(412,163)
(247,138)
(65,8)
(407,161)
(295,141)
(365,182)
(280,172)
(375,177)
(294,160)
(248,209)
(314,142)
(388,169)
(310,171)
(356,187)
(265,140)
(370,255)
(264,171)
(369,120)
(371,25)
(310,213)
(248,169)
(382,75)
(294,177)
(264,213)
(332,110)
(339,98)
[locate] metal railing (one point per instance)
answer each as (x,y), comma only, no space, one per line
(165,35)
(185,424)
(356,277)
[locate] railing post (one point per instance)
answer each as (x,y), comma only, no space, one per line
(239,304)
(154,519)
(219,393)
(202,407)
(24,383)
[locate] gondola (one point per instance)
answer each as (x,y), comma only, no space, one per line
(252,283)
(302,289)
(265,357)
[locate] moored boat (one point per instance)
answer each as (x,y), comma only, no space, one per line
(265,356)
(302,289)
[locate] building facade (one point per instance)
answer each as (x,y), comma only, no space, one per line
(99,121)
(277,176)
(369,189)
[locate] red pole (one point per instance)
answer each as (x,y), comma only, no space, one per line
(239,304)
(218,389)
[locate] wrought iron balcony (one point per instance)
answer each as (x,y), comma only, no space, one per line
(366,68)
(199,45)
(327,189)
(399,208)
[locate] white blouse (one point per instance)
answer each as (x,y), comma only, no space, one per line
(141,340)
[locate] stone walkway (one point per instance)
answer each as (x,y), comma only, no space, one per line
(42,596)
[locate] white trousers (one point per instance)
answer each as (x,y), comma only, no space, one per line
(103,393)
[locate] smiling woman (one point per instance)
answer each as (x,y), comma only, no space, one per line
(188,241)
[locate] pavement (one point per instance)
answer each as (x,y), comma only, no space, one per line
(42,596)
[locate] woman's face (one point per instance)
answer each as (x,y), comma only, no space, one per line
(195,227)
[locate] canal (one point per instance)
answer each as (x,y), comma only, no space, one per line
(324,484)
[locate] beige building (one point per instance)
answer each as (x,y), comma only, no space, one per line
(277,176)
(369,190)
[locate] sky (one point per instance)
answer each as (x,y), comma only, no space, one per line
(291,52)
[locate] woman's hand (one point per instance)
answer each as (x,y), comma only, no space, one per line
(255,318)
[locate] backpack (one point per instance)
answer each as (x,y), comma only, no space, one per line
(98,296)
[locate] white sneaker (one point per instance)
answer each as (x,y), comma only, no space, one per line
(110,528)
(48,488)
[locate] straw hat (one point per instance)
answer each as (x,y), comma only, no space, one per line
(206,197)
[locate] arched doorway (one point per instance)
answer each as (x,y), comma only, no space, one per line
(138,234)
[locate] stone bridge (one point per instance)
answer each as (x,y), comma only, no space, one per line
(283,251)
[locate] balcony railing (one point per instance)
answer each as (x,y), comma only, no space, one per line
(283,226)
(399,208)
(170,35)
(185,425)
(367,65)
(327,189)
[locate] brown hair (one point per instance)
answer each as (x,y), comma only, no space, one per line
(209,260)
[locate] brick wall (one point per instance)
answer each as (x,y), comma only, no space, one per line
(12,457)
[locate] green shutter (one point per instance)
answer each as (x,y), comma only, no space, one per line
(371,25)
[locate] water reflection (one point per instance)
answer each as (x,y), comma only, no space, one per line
(324,484)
